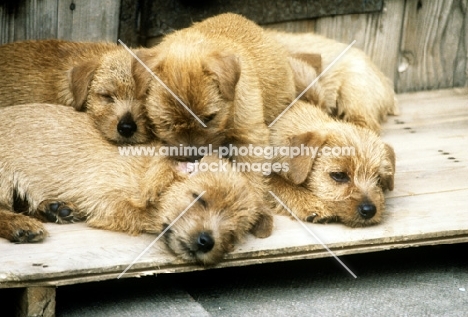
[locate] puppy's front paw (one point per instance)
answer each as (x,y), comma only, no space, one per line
(318,218)
(26,230)
(56,211)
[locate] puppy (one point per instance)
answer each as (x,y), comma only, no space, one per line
(342,179)
(353,89)
(58,169)
(219,219)
(97,77)
(229,74)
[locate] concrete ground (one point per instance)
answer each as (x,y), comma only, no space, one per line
(425,281)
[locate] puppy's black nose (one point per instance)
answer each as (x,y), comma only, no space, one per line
(126,126)
(367,210)
(205,242)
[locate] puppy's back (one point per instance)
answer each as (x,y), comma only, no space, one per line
(36,71)
(52,152)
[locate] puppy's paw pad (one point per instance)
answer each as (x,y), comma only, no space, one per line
(57,211)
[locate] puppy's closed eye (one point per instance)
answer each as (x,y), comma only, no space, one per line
(209,118)
(339,177)
(107,97)
(200,200)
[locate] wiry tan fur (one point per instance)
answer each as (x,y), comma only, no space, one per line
(222,217)
(97,77)
(229,74)
(327,187)
(57,170)
(59,158)
(353,89)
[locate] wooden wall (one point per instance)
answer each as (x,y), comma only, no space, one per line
(419,44)
(76,20)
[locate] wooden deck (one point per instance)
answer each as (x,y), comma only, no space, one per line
(429,206)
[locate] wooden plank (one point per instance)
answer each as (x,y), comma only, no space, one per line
(293,27)
(37,301)
(43,19)
(89,20)
(433,54)
(429,206)
(377,34)
(162,16)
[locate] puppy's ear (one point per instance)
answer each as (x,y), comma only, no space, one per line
(226,68)
(263,227)
(387,168)
(79,79)
(300,165)
(304,74)
(140,72)
(313,60)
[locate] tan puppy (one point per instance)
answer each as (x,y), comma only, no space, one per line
(97,77)
(222,217)
(225,70)
(353,89)
(57,159)
(342,179)
(231,76)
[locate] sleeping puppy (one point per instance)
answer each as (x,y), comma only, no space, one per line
(99,78)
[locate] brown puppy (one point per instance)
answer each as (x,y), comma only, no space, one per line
(342,178)
(353,89)
(225,70)
(222,217)
(57,159)
(97,77)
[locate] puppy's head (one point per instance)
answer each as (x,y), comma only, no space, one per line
(202,84)
(224,214)
(351,170)
(112,90)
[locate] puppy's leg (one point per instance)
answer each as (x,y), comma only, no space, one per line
(302,202)
(20,228)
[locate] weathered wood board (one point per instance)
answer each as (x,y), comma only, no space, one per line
(428,206)
(83,20)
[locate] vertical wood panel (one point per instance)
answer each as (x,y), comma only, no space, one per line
(377,34)
(89,21)
(42,19)
(434,48)
(303,26)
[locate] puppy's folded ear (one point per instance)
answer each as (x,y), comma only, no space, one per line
(304,74)
(79,79)
(300,165)
(313,60)
(387,168)
(263,227)
(141,72)
(141,76)
(226,68)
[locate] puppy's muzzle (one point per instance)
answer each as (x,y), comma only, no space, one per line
(205,242)
(127,126)
(367,210)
